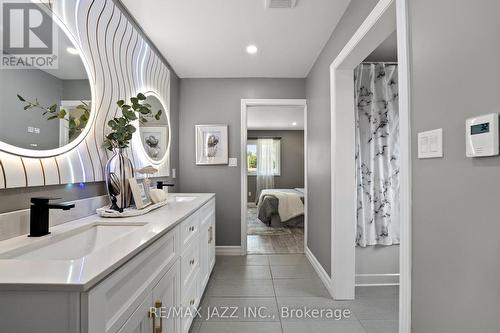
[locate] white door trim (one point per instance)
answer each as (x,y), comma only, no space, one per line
(386,16)
(243,168)
(405,255)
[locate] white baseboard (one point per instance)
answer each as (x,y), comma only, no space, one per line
(228,250)
(377,280)
(323,275)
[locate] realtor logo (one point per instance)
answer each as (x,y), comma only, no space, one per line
(28,35)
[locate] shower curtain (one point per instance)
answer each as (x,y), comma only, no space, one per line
(265,175)
(377,154)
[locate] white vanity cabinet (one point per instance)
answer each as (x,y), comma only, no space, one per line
(171,278)
(197,258)
(207,251)
(171,272)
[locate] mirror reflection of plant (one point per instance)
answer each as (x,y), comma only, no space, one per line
(75,124)
(122,129)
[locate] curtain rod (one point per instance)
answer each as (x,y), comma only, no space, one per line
(379,62)
(265,137)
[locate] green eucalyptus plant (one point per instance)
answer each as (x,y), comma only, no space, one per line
(75,124)
(122,128)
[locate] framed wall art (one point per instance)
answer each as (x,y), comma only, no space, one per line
(212,144)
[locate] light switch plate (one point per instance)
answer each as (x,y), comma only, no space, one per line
(233,162)
(430,144)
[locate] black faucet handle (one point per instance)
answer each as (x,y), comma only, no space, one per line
(160,185)
(42,200)
(63,206)
(45,201)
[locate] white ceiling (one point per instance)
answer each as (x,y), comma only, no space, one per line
(275,118)
(70,66)
(208,38)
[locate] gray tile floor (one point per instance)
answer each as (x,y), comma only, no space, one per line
(280,283)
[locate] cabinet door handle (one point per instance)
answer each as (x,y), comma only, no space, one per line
(210,238)
(160,329)
(158,304)
(153,316)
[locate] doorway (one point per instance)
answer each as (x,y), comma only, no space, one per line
(387,17)
(274,191)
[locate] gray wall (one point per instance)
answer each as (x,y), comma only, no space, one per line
(31,84)
(34,84)
(217,101)
(377,260)
(76,90)
(454,76)
(292,160)
(174,128)
(318,120)
(19,198)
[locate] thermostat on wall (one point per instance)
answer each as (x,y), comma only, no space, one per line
(482,136)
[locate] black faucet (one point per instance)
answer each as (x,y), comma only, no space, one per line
(39,215)
(160,185)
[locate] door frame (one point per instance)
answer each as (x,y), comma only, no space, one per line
(387,16)
(245,103)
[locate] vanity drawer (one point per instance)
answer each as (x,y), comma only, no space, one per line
(191,300)
(114,300)
(189,229)
(190,262)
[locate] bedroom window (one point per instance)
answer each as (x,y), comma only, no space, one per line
(252,157)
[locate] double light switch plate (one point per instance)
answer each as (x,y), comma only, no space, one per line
(430,144)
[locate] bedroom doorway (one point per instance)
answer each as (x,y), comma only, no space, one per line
(274,191)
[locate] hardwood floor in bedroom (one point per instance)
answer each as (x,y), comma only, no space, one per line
(276,244)
(262,239)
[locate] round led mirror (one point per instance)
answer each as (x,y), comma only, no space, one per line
(155,133)
(46,98)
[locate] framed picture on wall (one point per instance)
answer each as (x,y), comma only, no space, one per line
(211,144)
(154,141)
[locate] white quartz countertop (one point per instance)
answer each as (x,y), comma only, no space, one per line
(84,273)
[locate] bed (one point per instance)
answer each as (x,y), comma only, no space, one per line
(268,208)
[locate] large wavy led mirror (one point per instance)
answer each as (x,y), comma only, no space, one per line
(45,109)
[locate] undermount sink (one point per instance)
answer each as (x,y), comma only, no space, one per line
(184,198)
(75,244)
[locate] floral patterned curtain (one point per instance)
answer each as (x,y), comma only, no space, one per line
(377,154)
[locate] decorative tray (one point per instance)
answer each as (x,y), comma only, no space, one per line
(128,212)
